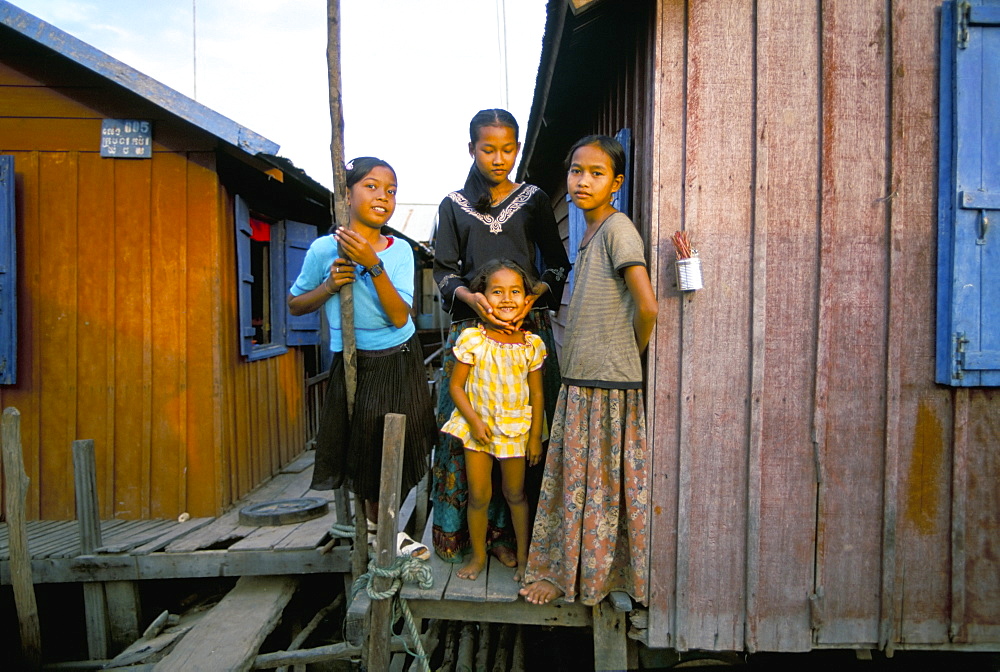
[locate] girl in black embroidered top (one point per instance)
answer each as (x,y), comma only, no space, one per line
(491,218)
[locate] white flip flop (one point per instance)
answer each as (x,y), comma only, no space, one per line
(408,547)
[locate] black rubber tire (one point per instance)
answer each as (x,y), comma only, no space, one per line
(283,511)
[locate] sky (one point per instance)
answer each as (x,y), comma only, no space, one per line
(414,71)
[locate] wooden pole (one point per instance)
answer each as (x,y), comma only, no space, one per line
(388,511)
(359,558)
(20,557)
(88,516)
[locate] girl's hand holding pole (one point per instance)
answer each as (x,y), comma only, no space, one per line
(341,273)
(357,249)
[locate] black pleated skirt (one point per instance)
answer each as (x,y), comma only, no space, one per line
(350,452)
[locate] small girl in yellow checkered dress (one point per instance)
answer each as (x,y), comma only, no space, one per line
(499,408)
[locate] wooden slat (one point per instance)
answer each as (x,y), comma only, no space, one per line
(782,477)
(715,333)
(56,296)
(226,526)
(199,564)
(464,589)
(852,331)
(500,583)
(166,324)
(83,135)
(915,610)
(982,519)
(230,635)
(663,385)
(170,534)
(95,343)
(520,612)
(207,467)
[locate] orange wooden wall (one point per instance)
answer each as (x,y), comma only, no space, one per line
(128,319)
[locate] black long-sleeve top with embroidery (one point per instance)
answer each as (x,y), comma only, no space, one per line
(521,228)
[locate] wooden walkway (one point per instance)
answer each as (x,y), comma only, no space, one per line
(200,547)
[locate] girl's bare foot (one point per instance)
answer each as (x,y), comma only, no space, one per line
(540,592)
(519,574)
(471,569)
(505,556)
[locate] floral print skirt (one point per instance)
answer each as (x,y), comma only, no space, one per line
(590,533)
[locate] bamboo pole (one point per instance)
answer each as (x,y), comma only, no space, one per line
(20,557)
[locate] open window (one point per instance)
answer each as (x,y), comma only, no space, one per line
(968,278)
(267,251)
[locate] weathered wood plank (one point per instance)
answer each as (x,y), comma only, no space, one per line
(782,476)
(663,384)
(94,599)
(850,427)
(199,564)
(166,326)
(610,642)
(95,334)
(132,352)
(57,210)
(561,613)
(711,538)
(982,523)
(380,636)
(226,526)
(228,637)
(206,480)
(500,583)
(15,493)
(915,608)
(466,590)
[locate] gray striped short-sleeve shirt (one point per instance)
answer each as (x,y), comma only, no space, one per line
(600,348)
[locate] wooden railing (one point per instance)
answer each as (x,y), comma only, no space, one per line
(315,394)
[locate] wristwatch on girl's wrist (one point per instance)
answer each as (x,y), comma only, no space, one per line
(375,270)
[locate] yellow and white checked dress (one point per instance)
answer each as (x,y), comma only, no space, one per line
(498,389)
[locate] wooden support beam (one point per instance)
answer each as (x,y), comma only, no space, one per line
(193,565)
(610,642)
(388,510)
(112,609)
(228,637)
(16,491)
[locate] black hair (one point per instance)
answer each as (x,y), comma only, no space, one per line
(606,144)
(477,188)
(358,169)
(478,283)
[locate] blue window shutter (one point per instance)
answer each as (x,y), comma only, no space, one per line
(302,329)
(245,277)
(8,274)
(968,305)
(279,302)
(622,197)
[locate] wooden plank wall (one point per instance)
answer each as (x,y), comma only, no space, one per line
(813,486)
(126,326)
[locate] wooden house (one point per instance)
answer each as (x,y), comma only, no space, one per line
(145,244)
(823,414)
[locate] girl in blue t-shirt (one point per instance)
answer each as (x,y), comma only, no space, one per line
(390,373)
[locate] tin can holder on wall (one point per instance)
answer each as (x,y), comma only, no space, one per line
(688,265)
(688,274)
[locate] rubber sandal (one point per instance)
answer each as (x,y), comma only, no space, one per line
(407,547)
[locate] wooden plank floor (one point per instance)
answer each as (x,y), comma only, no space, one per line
(163,549)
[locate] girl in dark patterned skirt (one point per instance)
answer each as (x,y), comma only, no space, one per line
(391,377)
